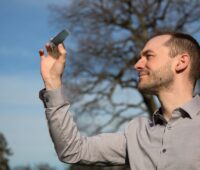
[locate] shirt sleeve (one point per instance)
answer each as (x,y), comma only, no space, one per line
(71,147)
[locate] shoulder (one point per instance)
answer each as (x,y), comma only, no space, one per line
(137,123)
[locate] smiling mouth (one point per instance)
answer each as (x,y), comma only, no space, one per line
(141,77)
(141,74)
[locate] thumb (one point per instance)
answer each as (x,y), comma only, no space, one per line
(62,52)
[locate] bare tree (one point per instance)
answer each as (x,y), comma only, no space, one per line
(42,166)
(108,34)
(26,167)
(4,153)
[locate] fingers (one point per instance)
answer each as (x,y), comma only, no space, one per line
(42,55)
(48,48)
(59,52)
(41,51)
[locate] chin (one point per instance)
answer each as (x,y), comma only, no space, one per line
(146,89)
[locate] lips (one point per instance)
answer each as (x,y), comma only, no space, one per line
(140,75)
(143,73)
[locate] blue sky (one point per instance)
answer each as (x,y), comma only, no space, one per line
(24,29)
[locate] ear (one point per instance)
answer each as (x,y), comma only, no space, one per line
(183,62)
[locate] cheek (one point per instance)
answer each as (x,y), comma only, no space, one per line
(151,67)
(152,64)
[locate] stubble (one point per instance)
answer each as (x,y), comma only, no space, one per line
(157,80)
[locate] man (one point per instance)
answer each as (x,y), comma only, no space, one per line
(168,67)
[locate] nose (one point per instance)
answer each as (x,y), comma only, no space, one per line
(140,64)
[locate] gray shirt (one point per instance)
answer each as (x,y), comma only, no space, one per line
(144,144)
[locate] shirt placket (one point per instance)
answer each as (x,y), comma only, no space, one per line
(168,129)
(164,146)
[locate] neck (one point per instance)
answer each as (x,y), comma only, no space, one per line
(174,97)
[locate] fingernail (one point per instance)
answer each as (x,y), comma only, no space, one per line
(41,52)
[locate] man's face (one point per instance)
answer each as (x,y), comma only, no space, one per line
(155,66)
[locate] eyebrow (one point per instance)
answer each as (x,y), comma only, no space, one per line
(146,52)
(143,53)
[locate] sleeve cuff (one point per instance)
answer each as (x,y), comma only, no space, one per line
(52,98)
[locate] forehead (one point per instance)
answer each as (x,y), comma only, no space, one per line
(156,43)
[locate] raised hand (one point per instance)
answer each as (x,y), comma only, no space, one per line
(52,67)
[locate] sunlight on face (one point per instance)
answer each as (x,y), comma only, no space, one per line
(156,80)
(155,67)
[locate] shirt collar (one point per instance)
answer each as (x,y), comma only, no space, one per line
(190,109)
(158,117)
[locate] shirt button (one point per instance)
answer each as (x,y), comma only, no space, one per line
(169,127)
(164,150)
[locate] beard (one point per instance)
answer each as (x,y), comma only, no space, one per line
(156,80)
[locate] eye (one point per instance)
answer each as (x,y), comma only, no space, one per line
(148,56)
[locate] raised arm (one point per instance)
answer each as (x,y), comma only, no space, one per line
(71,147)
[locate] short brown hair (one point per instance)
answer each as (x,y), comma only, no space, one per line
(182,42)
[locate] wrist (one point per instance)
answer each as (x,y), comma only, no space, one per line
(52,84)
